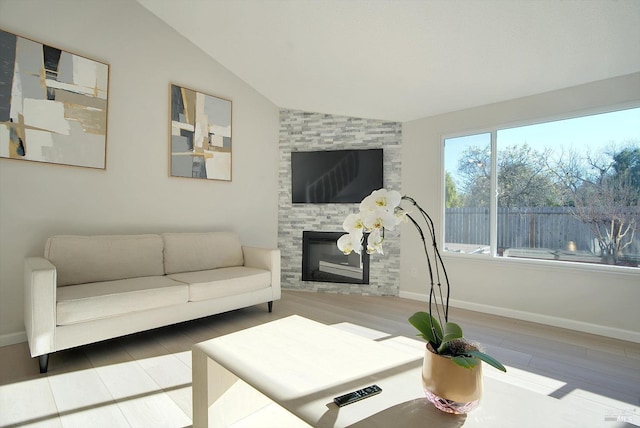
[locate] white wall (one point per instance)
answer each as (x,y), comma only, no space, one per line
(598,300)
(135,193)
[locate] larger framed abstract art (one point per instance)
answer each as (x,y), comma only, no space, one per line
(53,104)
(200,135)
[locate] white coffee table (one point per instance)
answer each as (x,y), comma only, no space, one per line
(302,365)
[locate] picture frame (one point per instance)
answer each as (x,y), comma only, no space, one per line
(201,135)
(53,104)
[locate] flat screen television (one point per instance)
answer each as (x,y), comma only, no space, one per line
(335,176)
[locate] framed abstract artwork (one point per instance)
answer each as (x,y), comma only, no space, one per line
(53,104)
(200,135)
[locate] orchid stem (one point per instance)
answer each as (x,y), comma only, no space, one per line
(438,264)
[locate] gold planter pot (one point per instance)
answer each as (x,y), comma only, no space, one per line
(448,386)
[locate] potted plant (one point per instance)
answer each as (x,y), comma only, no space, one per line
(451,375)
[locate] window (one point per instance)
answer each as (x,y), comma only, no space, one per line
(566,190)
(467,193)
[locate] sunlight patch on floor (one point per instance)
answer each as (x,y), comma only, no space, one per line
(28,402)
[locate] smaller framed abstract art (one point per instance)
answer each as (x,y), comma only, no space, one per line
(200,135)
(53,104)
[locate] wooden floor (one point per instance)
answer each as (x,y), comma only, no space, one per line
(144,380)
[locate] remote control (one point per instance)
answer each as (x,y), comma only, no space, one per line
(358,395)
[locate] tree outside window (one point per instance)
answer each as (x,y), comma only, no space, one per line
(566,190)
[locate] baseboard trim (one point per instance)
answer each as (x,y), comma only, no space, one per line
(13,338)
(631,336)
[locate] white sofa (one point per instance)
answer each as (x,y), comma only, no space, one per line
(90,288)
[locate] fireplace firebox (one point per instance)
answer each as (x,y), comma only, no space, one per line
(322,260)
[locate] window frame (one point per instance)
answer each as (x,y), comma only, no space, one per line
(492,256)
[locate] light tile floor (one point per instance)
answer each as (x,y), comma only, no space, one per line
(144,380)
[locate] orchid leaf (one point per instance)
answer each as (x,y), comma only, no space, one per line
(487,359)
(428,327)
(465,361)
(452,331)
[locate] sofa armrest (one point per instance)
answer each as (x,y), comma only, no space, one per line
(40,304)
(265,258)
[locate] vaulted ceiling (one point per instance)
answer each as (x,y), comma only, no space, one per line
(407,59)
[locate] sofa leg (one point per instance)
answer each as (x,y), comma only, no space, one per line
(270,304)
(43,360)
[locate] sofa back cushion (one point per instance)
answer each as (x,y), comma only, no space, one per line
(82,259)
(190,252)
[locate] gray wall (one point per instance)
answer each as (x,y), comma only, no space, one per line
(303,131)
(135,193)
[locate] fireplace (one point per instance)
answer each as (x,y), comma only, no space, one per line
(322,260)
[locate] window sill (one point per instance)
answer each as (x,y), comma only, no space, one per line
(548,264)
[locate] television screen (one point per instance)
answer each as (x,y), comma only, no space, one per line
(338,176)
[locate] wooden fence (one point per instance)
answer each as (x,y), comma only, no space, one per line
(540,227)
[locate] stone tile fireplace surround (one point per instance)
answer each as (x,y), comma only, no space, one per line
(303,131)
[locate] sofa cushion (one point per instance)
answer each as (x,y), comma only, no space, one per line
(190,252)
(211,284)
(82,259)
(86,302)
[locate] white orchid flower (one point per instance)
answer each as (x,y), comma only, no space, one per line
(368,203)
(353,223)
(379,219)
(393,199)
(349,242)
(374,242)
(378,211)
(381,198)
(401,215)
